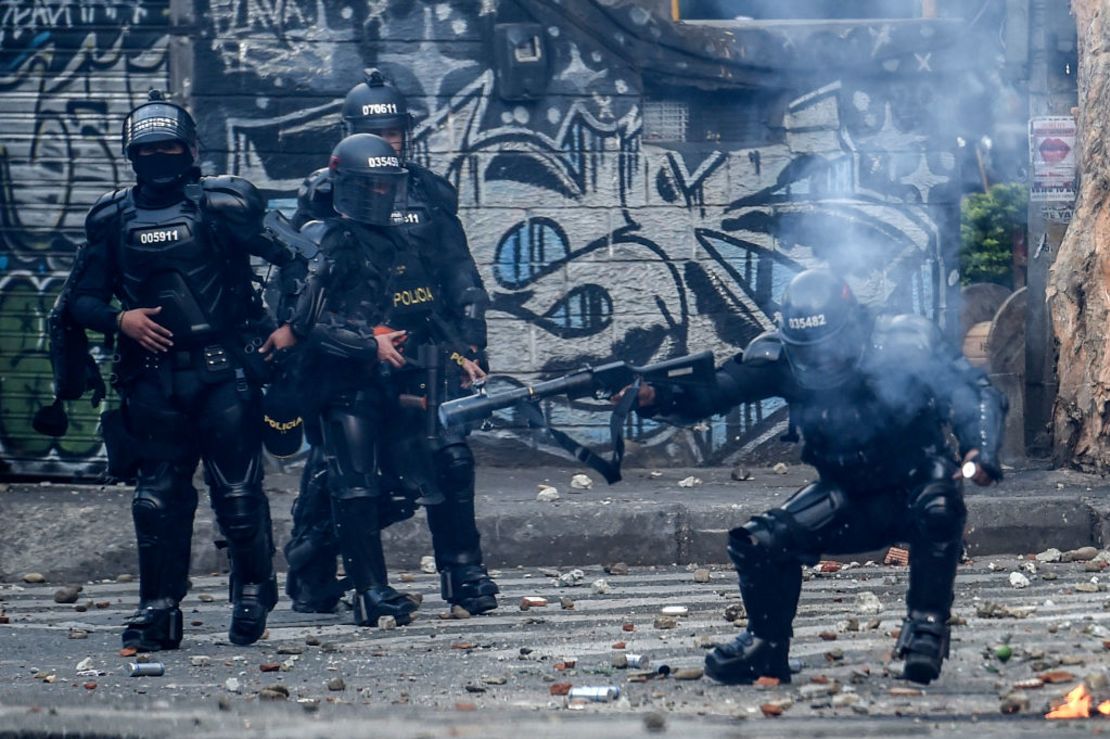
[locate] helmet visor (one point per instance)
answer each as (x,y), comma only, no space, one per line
(827,363)
(157,122)
(370,197)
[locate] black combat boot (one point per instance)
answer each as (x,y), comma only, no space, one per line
(747,658)
(923,644)
(251,604)
(382,600)
(469,586)
(153,627)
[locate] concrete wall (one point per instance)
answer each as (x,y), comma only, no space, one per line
(830,144)
(70,70)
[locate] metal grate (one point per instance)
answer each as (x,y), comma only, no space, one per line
(666,120)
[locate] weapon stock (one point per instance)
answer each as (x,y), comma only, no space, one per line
(606,379)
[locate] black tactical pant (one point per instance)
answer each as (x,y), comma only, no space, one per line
(823,518)
(177,417)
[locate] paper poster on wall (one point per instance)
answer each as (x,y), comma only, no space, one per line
(1052,153)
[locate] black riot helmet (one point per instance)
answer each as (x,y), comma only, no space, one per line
(158,121)
(369,182)
(374,106)
(823,329)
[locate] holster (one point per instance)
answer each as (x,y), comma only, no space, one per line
(123,449)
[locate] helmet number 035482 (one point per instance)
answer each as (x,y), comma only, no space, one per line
(807,321)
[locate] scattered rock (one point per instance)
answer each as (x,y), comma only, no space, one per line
(813,691)
(1014,703)
(336,684)
(828,567)
(775,708)
(274,693)
(269,667)
(780,469)
(90,685)
(1082,554)
(199,660)
(68,594)
(75,633)
(899,691)
(581,482)
(628,626)
(617,568)
(1033,683)
(128,652)
(740,473)
(1018,580)
(494,680)
(600,586)
(571,579)
(463,645)
(619,645)
(205,598)
(1096,681)
(407,577)
(124,578)
(834,655)
(532,601)
(232,685)
(290,649)
(989,609)
(85,664)
(619,660)
(457,613)
(547,494)
(845,700)
(734,611)
(689,482)
(471,688)
(827,636)
(559,688)
(868,604)
(665,622)
(767,681)
(388,623)
(1050,555)
(701,575)
(655,474)
(34,578)
(566,603)
(1057,676)
(688,673)
(428,565)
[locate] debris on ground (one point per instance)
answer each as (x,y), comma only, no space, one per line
(600,586)
(897,556)
(702,575)
(1050,555)
(276,692)
(1082,554)
(1018,580)
(617,568)
(581,482)
(571,579)
(68,594)
(689,482)
(740,473)
(868,604)
(780,468)
(428,564)
(34,578)
(990,609)
(232,685)
(547,494)
(336,684)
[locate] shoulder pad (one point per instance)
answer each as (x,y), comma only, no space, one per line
(104,212)
(235,201)
(314,195)
(439,188)
(763,349)
(905,335)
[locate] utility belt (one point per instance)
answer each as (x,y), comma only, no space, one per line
(213,358)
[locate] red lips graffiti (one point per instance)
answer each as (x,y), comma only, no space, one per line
(1054,151)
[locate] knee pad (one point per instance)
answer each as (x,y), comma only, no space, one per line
(939,512)
(749,546)
(163,496)
(455,469)
(243,515)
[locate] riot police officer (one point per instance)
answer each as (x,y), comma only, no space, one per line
(429,220)
(175,249)
(356,283)
(871,397)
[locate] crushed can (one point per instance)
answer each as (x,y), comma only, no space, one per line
(602,694)
(638,661)
(147,669)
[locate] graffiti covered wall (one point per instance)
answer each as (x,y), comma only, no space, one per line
(69,72)
(652,199)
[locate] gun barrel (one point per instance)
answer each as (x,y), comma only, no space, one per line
(478,407)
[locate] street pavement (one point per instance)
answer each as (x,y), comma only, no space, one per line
(495,675)
(66,531)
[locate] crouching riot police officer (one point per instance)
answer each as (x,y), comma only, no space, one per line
(175,251)
(347,364)
(871,397)
(429,221)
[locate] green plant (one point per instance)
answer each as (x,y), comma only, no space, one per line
(988,222)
